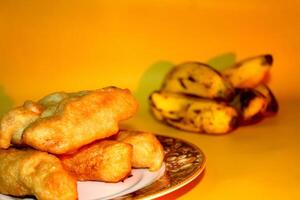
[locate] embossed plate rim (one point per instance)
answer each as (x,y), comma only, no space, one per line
(189,179)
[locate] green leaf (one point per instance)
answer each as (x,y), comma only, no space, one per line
(223,61)
(5,102)
(151,80)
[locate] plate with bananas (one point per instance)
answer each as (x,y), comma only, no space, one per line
(196,97)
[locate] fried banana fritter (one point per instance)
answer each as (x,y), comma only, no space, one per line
(107,160)
(14,122)
(63,122)
(147,150)
(30,172)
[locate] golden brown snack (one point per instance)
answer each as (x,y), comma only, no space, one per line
(30,172)
(15,121)
(147,150)
(193,114)
(67,121)
(107,160)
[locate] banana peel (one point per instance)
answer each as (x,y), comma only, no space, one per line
(192,113)
(272,106)
(195,78)
(249,73)
(250,104)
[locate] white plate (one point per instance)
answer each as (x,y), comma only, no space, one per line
(94,190)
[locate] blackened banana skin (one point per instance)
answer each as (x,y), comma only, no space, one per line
(250,104)
(272,106)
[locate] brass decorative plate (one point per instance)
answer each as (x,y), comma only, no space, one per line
(184,162)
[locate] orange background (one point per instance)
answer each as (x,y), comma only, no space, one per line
(53,45)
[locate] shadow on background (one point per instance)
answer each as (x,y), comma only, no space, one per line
(151,80)
(5,101)
(222,61)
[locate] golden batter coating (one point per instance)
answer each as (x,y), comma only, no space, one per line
(147,150)
(63,122)
(107,161)
(15,121)
(30,172)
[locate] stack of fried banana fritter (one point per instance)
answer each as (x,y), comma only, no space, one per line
(48,145)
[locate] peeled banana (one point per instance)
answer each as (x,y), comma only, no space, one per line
(249,73)
(193,114)
(198,79)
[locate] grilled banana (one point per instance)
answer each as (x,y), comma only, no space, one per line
(271,106)
(193,114)
(250,104)
(198,79)
(249,73)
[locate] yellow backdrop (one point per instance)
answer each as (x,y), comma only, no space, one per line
(54,45)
